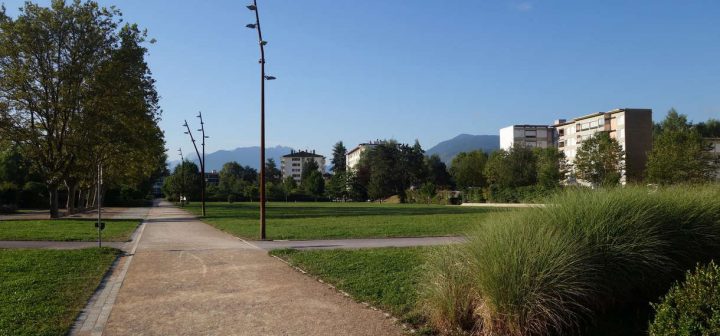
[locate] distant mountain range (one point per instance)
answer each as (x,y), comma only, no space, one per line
(249,156)
(464,143)
(246,156)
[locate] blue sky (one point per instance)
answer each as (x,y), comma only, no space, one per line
(429,70)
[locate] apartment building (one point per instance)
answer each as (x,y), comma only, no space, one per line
(352,158)
(632,128)
(292,164)
(541,136)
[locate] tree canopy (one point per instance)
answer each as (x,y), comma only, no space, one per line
(75,93)
(600,160)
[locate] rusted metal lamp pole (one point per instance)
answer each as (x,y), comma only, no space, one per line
(263,78)
(202,165)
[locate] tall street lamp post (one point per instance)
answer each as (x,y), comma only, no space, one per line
(182,176)
(263,78)
(202,163)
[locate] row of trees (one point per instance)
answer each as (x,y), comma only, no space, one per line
(680,155)
(237,182)
(681,151)
(76,93)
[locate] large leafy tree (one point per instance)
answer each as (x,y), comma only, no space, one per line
(75,92)
(437,173)
(184,181)
(600,160)
(338,157)
(467,169)
(680,154)
(516,167)
(551,167)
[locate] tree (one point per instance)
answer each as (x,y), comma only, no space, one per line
(516,167)
(314,184)
(680,154)
(437,173)
(288,186)
(467,169)
(338,158)
(551,167)
(427,191)
(273,174)
(600,160)
(75,92)
(184,181)
(337,187)
(308,167)
(709,129)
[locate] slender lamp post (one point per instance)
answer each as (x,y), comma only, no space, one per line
(263,77)
(182,175)
(202,166)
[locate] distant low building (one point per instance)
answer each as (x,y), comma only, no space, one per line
(292,164)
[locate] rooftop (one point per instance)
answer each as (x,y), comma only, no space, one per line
(302,153)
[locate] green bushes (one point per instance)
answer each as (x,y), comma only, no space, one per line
(556,269)
(691,308)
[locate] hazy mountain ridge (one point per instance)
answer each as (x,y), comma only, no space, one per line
(246,156)
(464,143)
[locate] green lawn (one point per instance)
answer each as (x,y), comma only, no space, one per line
(66,229)
(42,291)
(385,277)
(325,220)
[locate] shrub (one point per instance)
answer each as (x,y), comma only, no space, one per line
(691,308)
(554,269)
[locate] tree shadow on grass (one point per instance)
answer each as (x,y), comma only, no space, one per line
(250,211)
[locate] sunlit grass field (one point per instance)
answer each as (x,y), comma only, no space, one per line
(66,229)
(43,291)
(324,220)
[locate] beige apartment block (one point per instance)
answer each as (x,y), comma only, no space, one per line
(291,164)
(631,127)
(540,136)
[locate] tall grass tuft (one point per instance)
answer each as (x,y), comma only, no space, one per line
(553,270)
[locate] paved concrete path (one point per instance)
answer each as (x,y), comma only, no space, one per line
(187,278)
(355,243)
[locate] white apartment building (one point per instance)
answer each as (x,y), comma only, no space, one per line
(292,164)
(632,128)
(352,158)
(541,136)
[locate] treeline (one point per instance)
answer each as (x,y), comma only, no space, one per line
(75,94)
(240,183)
(389,169)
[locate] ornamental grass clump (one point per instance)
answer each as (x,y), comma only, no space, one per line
(554,270)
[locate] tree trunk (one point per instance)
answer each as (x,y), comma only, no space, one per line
(53,193)
(71,198)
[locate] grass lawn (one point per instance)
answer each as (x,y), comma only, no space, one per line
(42,291)
(66,229)
(325,220)
(385,277)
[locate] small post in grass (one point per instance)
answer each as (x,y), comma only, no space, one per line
(99,225)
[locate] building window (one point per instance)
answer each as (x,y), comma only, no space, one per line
(577,127)
(561,144)
(561,132)
(296,159)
